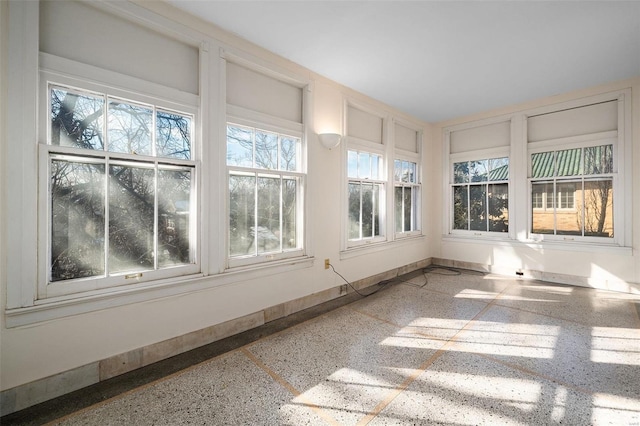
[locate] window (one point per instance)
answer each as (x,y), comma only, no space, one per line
(121,191)
(480,194)
(366,190)
(572,191)
(265,193)
(406,192)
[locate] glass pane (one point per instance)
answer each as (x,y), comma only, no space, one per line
(478,207)
(397,171)
(77,220)
(266,150)
(131,219)
(537,196)
(268,231)
(399,208)
(289,194)
(499,169)
(173,137)
(376,210)
(354,211)
(289,154)
(239,146)
(405,171)
(598,160)
(129,128)
(174,201)
(598,208)
(460,207)
(568,162)
(364,165)
(542,164)
(411,173)
(543,219)
(499,207)
(77,120)
(375,166)
(408,209)
(461,172)
(479,170)
(242,201)
(565,195)
(352,164)
(367,210)
(568,217)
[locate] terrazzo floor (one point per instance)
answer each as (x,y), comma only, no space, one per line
(435,348)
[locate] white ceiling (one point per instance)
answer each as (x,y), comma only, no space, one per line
(438,60)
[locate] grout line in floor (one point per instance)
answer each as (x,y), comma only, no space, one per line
(135,390)
(425,365)
(289,387)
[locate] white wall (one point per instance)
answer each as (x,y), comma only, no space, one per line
(38,350)
(589,266)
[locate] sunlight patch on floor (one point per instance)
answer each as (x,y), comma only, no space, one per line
(615,345)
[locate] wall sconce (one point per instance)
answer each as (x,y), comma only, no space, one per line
(329,140)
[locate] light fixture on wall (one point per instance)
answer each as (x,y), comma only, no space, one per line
(329,140)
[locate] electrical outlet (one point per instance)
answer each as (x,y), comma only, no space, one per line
(343,289)
(326,264)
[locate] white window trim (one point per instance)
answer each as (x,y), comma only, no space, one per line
(623,163)
(489,153)
(417,186)
(249,118)
(382,149)
(415,157)
(573,142)
(24,94)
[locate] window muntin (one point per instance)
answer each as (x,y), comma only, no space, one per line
(365,195)
(265,193)
(480,193)
(577,188)
(123,210)
(406,196)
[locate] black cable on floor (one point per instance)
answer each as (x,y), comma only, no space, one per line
(382,283)
(432,269)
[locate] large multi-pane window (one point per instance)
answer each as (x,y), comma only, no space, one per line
(572,191)
(480,194)
(121,185)
(365,195)
(265,192)
(406,196)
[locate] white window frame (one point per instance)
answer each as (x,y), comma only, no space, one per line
(485,154)
(382,197)
(414,157)
(25,130)
(585,141)
(290,129)
(353,143)
(97,285)
(416,187)
(254,119)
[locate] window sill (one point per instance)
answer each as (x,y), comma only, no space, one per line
(52,309)
(574,246)
(381,246)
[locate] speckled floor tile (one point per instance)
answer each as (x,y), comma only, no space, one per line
(587,306)
(467,284)
(229,390)
(597,359)
(466,389)
(346,362)
(433,314)
(524,353)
